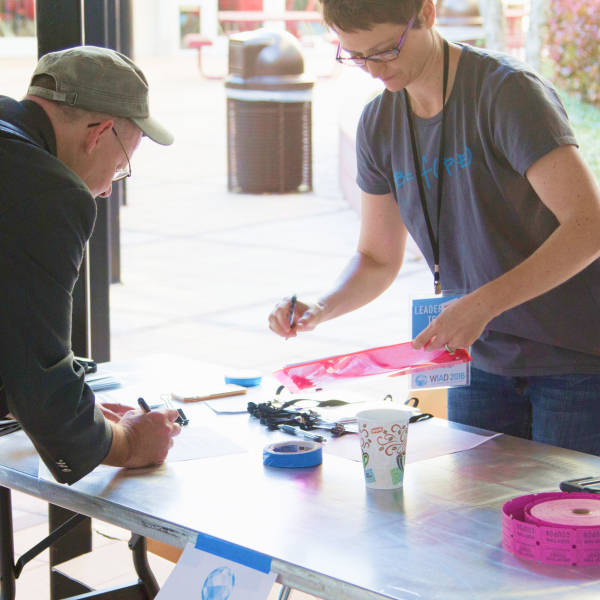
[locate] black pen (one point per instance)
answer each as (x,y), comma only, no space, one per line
(303,434)
(292,309)
(144,405)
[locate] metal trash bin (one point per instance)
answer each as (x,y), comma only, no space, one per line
(269,104)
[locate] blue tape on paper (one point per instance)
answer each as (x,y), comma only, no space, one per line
(234,553)
(244,377)
(293,454)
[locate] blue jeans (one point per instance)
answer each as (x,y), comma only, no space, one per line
(561,410)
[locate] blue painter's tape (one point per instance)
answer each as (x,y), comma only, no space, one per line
(233,552)
(244,377)
(293,454)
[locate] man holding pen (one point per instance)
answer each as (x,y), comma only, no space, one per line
(75,132)
(472,152)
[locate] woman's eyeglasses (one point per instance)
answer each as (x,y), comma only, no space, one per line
(380,57)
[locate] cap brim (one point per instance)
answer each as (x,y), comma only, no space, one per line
(154,130)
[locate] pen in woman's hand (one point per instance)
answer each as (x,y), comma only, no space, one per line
(292,309)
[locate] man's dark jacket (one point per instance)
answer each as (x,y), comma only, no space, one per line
(46,217)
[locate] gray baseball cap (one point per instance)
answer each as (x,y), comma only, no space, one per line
(100,80)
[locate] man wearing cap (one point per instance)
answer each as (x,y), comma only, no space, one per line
(75,132)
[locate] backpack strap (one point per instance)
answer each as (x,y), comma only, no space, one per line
(10,130)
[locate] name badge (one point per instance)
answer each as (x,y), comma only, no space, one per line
(423,311)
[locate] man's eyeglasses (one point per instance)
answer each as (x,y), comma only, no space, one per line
(387,56)
(119,173)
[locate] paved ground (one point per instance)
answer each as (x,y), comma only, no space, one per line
(202,268)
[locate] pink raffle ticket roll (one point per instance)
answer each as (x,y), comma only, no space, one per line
(558,528)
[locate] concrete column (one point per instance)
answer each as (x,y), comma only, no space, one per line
(494,26)
(534,41)
(274,6)
(209,25)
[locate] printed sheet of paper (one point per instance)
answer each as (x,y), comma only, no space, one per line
(426,439)
(191,444)
(202,576)
(201,442)
(232,406)
(307,399)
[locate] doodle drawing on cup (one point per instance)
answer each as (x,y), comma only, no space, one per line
(383,440)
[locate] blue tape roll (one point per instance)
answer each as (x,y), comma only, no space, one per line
(293,454)
(244,377)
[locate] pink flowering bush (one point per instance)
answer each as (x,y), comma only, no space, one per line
(573,41)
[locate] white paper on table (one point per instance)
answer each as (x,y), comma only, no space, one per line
(202,576)
(201,442)
(239,404)
(350,410)
(191,444)
(233,406)
(426,439)
(432,439)
(103,380)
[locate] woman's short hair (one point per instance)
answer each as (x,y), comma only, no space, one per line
(355,15)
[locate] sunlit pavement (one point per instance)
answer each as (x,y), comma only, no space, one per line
(202,267)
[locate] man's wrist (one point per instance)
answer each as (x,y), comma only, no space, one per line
(119,453)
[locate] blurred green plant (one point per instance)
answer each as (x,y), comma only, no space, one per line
(573,42)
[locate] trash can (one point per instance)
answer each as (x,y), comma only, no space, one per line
(269,105)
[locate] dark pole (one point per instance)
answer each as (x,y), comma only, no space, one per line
(95,22)
(7,552)
(126,23)
(108,24)
(100,25)
(113,16)
(59,25)
(126,48)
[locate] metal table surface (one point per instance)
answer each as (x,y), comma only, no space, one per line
(437,537)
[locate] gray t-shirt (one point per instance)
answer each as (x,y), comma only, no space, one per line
(501,118)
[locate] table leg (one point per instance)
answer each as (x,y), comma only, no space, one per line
(284,593)
(7,554)
(74,544)
(137,545)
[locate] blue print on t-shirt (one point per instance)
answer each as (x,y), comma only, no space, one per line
(462,161)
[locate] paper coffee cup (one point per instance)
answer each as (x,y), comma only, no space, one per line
(383,437)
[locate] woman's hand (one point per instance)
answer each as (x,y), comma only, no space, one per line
(458,325)
(305,318)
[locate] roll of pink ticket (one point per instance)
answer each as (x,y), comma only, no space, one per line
(570,513)
(557,528)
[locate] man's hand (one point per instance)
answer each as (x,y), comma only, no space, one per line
(142,439)
(458,325)
(306,318)
(113,411)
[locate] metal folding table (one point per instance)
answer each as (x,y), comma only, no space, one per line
(328,535)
